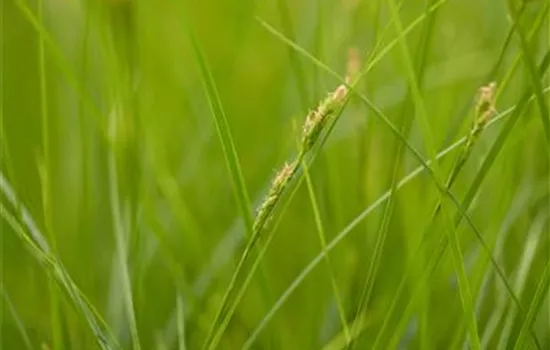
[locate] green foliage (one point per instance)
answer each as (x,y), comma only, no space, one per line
(152,195)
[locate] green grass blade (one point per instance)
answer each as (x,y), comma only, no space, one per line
(62,63)
(121,239)
(535,29)
(232,162)
(322,240)
(465,294)
(15,315)
(46,177)
(526,262)
(372,62)
(181,322)
(536,79)
(224,134)
(54,269)
(534,308)
(261,253)
(300,76)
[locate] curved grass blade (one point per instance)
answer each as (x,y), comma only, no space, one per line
(53,268)
(372,62)
(295,63)
(537,24)
(536,79)
(224,134)
(323,241)
(536,304)
(529,252)
(15,315)
(263,250)
(63,64)
(232,162)
(121,240)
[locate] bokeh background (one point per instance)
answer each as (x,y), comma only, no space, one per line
(107,133)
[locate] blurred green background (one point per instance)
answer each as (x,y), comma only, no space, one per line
(107,134)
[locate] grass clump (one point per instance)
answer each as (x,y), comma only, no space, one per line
(139,207)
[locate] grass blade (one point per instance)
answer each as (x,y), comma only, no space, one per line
(55,269)
(121,239)
(322,240)
(536,79)
(232,162)
(181,323)
(536,304)
(224,134)
(15,315)
(45,170)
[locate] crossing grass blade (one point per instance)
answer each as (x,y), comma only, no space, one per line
(121,258)
(322,240)
(11,310)
(224,133)
(535,78)
(423,47)
(38,248)
(300,76)
(62,63)
(534,308)
(232,162)
(421,115)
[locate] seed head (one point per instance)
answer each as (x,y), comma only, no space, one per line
(282,176)
(484,110)
(485,107)
(339,94)
(317,118)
